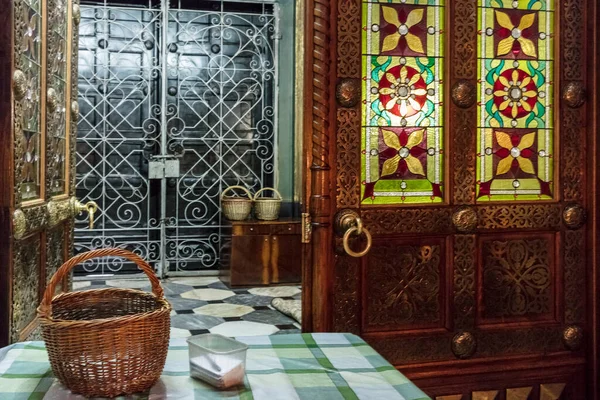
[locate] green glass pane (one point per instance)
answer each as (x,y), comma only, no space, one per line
(515,143)
(402,156)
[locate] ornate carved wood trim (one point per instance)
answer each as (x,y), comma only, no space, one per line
(573,68)
(346,310)
(574,276)
(408,220)
(320,86)
(404,285)
(407,350)
(320,202)
(464,281)
(462,116)
(520,216)
(348,115)
(348,158)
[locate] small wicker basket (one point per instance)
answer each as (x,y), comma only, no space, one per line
(236,208)
(267,209)
(106,342)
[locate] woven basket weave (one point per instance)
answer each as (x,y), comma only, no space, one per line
(267,209)
(236,208)
(106,342)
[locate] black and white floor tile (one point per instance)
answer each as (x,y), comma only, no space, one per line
(205,304)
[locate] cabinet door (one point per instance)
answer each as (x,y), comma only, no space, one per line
(285,261)
(250,260)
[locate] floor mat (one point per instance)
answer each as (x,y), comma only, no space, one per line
(291,308)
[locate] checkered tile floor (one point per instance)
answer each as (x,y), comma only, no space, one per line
(205,304)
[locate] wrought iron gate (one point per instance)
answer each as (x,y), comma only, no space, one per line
(176,105)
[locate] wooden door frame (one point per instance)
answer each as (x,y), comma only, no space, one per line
(320,172)
(593,221)
(319,132)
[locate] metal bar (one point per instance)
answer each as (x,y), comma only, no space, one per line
(163,135)
(276,35)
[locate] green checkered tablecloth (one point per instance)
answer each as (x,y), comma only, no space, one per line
(308,366)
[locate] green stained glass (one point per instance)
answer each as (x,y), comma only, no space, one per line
(515,116)
(402,137)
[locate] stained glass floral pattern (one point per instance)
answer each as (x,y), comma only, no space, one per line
(515,135)
(402,135)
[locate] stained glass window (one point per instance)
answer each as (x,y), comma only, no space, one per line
(402,69)
(515,118)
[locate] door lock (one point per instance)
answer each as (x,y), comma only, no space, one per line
(163,168)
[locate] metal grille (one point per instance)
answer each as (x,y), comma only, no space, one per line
(196,87)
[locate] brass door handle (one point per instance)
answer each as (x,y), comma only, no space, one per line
(348,222)
(90,207)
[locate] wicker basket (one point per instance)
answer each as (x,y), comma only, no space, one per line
(106,342)
(267,209)
(236,208)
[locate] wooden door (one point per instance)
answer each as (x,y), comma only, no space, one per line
(459,132)
(38,113)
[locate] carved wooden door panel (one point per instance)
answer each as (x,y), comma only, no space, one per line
(38,90)
(456,133)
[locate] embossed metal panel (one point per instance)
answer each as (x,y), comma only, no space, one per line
(36,218)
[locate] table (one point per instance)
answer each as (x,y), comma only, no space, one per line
(295,366)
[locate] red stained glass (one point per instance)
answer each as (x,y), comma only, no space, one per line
(402,91)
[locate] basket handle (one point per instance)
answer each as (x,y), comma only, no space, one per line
(236,187)
(45,309)
(267,188)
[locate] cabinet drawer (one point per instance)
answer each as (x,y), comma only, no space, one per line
(285,229)
(244,230)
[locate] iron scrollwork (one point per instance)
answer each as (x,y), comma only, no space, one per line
(243,119)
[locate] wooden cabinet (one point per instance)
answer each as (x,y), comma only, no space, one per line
(263,253)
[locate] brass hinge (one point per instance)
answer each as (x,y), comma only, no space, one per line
(306,228)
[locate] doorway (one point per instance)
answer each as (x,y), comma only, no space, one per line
(178,101)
